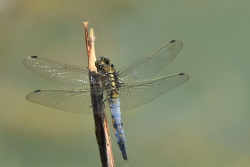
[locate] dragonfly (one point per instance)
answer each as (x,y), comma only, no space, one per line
(119,86)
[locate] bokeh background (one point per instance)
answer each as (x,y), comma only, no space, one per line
(205,122)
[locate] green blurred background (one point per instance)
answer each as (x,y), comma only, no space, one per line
(203,123)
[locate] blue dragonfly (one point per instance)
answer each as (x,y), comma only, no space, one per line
(119,86)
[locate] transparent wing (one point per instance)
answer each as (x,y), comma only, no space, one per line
(56,72)
(75,101)
(137,94)
(151,64)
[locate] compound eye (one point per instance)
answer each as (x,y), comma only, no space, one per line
(107,61)
(112,65)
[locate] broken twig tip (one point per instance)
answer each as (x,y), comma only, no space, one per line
(85,23)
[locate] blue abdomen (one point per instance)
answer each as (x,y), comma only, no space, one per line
(114,104)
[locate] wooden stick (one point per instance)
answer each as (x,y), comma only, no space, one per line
(101,122)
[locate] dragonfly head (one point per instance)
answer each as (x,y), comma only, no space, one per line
(102,62)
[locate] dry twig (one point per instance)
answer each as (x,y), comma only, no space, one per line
(101,123)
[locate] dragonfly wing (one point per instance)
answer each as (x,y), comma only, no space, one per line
(56,72)
(75,101)
(133,95)
(151,64)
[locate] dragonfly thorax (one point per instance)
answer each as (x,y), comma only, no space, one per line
(108,76)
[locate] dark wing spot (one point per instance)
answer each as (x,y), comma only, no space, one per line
(34,57)
(37,91)
(172,41)
(181,74)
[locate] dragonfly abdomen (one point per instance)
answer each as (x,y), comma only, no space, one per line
(114,104)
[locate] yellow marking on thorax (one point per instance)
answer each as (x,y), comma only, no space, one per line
(113,84)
